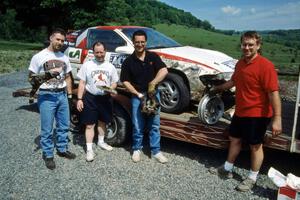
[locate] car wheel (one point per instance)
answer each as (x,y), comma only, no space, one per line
(210,109)
(174,94)
(119,129)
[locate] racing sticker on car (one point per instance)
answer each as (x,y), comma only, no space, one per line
(74,54)
(117,59)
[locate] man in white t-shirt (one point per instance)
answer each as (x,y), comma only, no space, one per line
(94,103)
(53,67)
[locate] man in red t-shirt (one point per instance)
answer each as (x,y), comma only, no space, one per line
(257,103)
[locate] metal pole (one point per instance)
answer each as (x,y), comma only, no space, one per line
(293,142)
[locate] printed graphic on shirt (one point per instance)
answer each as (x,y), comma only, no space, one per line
(57,69)
(100,78)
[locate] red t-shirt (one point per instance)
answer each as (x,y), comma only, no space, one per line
(253,82)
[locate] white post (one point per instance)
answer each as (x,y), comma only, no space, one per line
(297,105)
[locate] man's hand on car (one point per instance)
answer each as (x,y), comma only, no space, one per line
(213,91)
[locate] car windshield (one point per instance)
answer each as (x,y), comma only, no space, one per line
(155,39)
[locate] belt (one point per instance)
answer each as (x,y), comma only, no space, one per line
(53,89)
(98,95)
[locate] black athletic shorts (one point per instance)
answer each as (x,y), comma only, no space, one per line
(96,107)
(250,129)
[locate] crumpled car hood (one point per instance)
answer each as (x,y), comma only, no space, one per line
(205,57)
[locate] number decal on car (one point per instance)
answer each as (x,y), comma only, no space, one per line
(117,59)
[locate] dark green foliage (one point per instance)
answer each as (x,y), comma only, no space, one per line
(19,17)
(13,29)
(9,27)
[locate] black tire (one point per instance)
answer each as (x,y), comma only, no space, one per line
(174,94)
(74,114)
(119,130)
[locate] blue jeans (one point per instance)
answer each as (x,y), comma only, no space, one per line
(140,122)
(53,105)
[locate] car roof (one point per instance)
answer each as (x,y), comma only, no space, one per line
(79,31)
(116,27)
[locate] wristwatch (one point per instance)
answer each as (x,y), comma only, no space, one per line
(140,95)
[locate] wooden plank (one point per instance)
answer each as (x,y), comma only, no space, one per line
(187,127)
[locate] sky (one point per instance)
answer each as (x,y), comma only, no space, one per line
(241,15)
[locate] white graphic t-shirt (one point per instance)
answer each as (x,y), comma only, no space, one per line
(45,61)
(95,74)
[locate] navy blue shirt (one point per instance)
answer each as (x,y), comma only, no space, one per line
(140,73)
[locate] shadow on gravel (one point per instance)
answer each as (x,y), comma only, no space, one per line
(37,142)
(265,192)
(210,157)
(285,162)
(78,137)
(30,107)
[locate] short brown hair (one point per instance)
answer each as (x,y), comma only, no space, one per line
(252,34)
(58,30)
(139,33)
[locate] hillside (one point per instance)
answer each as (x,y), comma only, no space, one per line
(282,56)
(289,38)
(32,20)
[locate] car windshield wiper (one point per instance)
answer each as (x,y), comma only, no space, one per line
(157,47)
(161,47)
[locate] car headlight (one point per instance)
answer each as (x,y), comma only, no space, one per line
(215,79)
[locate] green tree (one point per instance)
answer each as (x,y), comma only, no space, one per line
(115,11)
(10,28)
(39,15)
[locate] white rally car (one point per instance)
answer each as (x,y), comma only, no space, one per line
(185,63)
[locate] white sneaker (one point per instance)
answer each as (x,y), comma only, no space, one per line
(136,156)
(90,156)
(105,146)
(160,158)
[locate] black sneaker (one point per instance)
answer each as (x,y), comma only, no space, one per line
(221,172)
(67,155)
(49,162)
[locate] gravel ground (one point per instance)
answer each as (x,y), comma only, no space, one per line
(113,175)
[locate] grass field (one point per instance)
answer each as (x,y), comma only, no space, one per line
(17,45)
(201,38)
(16,55)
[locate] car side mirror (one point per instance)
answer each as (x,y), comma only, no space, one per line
(124,49)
